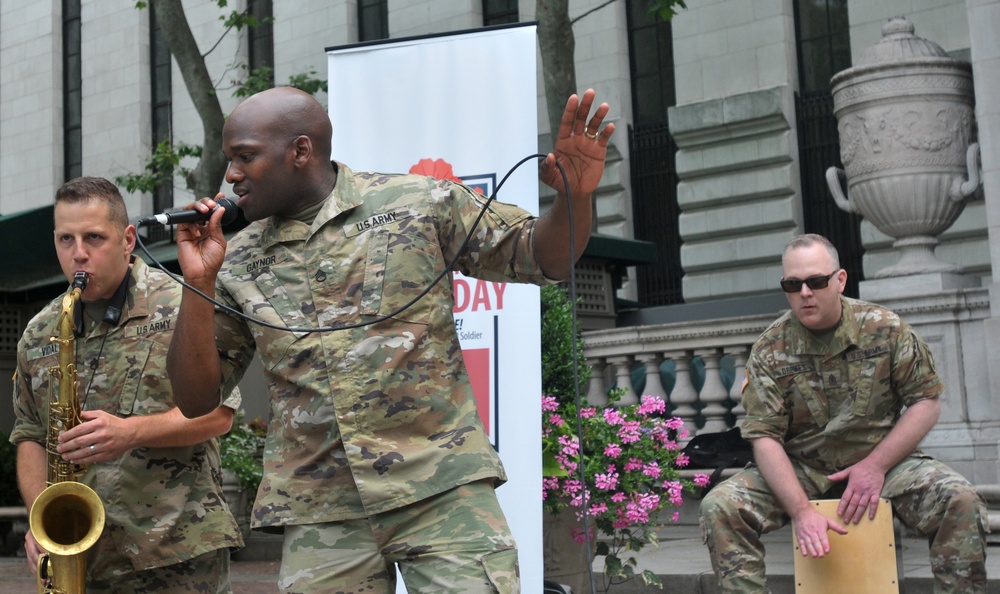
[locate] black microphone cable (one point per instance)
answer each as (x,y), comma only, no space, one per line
(446,271)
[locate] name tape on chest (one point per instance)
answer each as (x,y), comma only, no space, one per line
(866,353)
(855,355)
(375,221)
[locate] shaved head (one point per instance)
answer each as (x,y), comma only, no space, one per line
(284,112)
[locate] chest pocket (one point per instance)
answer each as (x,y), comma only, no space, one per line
(869,391)
(398,268)
(808,403)
(136,359)
(268,298)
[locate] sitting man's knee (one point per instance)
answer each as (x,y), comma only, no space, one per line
(716,503)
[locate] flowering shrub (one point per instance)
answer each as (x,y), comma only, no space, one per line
(240,450)
(630,459)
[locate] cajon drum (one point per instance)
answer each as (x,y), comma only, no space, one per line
(863,561)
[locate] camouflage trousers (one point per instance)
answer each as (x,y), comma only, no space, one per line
(926,495)
(204,574)
(455,542)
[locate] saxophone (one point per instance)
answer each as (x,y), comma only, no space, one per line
(67,518)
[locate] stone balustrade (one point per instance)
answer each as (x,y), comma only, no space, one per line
(701,362)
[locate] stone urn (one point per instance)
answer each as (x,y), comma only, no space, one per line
(905,117)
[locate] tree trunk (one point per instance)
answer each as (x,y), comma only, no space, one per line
(557,45)
(206,178)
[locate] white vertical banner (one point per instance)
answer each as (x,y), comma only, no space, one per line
(464,106)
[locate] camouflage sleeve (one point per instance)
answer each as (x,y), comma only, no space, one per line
(501,247)
(914,377)
(234,400)
(235,344)
(29,422)
(764,401)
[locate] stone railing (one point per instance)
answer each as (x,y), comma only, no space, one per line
(709,353)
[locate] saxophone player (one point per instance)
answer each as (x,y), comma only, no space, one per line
(157,473)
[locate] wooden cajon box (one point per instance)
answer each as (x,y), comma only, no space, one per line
(863,561)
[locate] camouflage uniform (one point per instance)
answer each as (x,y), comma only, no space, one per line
(163,506)
(830,407)
(367,420)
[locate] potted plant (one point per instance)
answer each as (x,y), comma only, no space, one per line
(611,469)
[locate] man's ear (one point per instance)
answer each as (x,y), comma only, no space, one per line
(303,150)
(841,280)
(129,240)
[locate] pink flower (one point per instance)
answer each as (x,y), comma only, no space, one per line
(612,450)
(682,460)
(701,479)
(652,470)
(618,497)
(587,413)
(652,404)
(633,464)
(549,403)
(675,423)
(556,420)
(630,432)
(607,481)
(613,417)
(570,445)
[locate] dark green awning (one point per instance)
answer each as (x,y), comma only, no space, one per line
(622,251)
(31,269)
(28,251)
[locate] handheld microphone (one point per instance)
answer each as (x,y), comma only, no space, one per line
(193,216)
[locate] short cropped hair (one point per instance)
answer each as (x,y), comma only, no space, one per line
(809,239)
(95,189)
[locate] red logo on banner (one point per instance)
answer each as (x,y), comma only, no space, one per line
(440,169)
(477,362)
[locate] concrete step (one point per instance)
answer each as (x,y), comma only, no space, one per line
(681,560)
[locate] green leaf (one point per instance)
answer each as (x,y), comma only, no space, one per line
(651,579)
(551,466)
(612,566)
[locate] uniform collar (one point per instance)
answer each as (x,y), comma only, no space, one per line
(848,333)
(344,197)
(137,297)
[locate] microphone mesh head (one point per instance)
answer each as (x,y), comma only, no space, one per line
(232,210)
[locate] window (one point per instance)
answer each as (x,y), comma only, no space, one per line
(652,59)
(824,42)
(373,20)
(261,38)
(72,91)
(652,149)
(499,12)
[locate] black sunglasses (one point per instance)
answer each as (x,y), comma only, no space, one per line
(813,282)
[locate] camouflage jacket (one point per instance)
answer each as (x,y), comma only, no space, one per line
(832,406)
(369,419)
(162,505)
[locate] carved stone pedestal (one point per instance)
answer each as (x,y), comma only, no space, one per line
(566,560)
(901,287)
